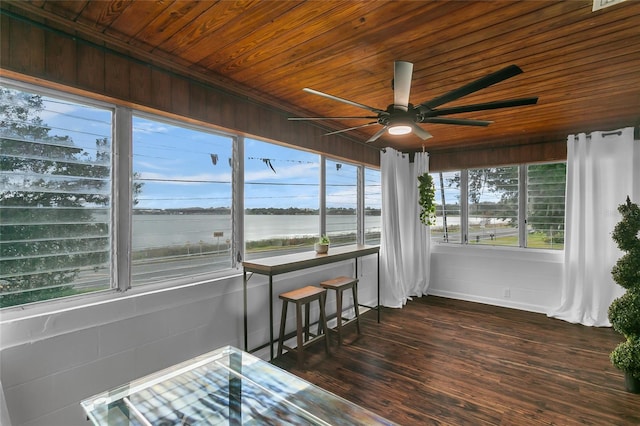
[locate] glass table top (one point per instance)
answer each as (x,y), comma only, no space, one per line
(224,387)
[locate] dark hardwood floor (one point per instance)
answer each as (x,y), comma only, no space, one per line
(444,361)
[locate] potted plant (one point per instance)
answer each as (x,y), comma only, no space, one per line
(322,246)
(624,312)
(427,195)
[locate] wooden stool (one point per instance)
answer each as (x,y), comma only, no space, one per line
(303,296)
(341,284)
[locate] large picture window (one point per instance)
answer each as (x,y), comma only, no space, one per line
(55,186)
(182,201)
(84,210)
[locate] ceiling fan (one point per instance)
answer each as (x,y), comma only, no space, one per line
(401,117)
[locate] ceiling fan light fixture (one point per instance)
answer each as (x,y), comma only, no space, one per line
(399,129)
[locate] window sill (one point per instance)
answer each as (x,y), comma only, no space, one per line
(508,251)
(66,304)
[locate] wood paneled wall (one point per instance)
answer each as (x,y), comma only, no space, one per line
(34,53)
(497,156)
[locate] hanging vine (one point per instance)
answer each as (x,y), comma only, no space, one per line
(427,194)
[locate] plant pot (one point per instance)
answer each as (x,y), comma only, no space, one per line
(631,383)
(321,248)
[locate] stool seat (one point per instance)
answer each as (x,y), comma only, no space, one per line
(302,297)
(340,284)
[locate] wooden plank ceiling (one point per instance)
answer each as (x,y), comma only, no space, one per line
(584,66)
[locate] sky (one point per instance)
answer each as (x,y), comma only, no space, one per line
(181,166)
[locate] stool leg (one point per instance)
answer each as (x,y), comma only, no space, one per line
(322,327)
(323,321)
(299,335)
(283,321)
(307,308)
(339,315)
(355,306)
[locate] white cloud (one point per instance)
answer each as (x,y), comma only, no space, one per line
(145,126)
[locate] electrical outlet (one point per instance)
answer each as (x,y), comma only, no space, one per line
(506,293)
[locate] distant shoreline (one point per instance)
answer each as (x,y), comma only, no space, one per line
(289,211)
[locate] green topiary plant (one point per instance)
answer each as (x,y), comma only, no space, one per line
(624,312)
(427,194)
(626,355)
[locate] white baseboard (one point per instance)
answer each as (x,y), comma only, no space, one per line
(490,301)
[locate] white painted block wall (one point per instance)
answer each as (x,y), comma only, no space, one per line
(525,279)
(50,361)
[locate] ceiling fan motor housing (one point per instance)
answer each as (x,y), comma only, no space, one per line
(395,116)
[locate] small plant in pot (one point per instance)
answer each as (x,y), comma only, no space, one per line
(624,312)
(322,246)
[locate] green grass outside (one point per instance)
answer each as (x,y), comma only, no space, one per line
(537,240)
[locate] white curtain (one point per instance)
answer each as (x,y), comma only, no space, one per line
(602,169)
(405,242)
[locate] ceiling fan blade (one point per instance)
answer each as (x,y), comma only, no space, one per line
(474,86)
(458,121)
(420,132)
(483,106)
(346,101)
(350,128)
(402,84)
(329,118)
(378,134)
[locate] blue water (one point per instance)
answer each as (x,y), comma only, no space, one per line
(176,230)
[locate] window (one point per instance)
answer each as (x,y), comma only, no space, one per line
(493,206)
(281,193)
(545,205)
(447,227)
(55,185)
(499,199)
(341,202)
(182,201)
(372,206)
